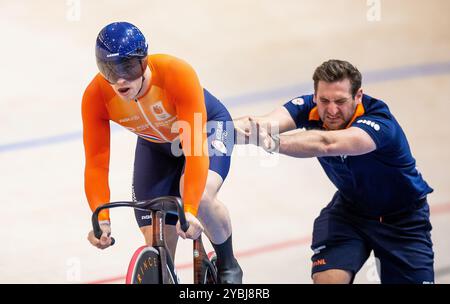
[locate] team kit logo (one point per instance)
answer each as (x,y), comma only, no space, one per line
(219,138)
(298,101)
(159,111)
(370,123)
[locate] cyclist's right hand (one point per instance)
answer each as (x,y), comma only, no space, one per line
(105,240)
(195,228)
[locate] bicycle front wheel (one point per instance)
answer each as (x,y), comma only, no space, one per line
(144,267)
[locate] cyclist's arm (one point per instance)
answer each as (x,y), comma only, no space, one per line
(186,91)
(315,143)
(96,139)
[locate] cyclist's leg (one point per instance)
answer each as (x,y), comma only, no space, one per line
(216,220)
(171,237)
(156,173)
(339,249)
(213,213)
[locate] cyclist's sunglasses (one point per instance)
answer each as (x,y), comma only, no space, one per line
(129,69)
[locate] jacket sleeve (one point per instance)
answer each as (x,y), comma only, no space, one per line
(187,93)
(96,139)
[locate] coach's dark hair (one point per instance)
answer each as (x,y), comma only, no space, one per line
(337,70)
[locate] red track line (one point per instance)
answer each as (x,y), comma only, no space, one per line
(435,210)
(440,209)
(108,280)
(274,247)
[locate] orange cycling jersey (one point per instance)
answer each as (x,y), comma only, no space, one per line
(174,94)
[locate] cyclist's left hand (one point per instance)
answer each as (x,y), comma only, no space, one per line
(195,228)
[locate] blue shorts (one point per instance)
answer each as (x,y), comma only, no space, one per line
(157,171)
(401,242)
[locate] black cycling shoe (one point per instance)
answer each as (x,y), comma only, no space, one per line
(231,275)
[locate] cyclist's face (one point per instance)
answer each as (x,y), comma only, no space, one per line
(127,89)
(335,103)
(125,76)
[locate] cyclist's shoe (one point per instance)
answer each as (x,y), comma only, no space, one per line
(230,275)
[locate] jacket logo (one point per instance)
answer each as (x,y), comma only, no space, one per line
(159,112)
(298,101)
(369,123)
(319,262)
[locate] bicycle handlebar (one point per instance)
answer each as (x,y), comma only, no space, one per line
(157,204)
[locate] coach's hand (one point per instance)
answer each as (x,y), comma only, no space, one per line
(105,240)
(243,130)
(195,228)
(264,139)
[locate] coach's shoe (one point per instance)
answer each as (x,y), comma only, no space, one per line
(230,275)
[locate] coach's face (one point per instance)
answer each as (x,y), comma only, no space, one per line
(335,103)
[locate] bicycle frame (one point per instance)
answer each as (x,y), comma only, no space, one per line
(204,270)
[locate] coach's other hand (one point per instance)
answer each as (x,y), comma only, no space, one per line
(244,134)
(262,138)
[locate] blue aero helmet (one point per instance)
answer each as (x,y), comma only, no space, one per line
(121,52)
